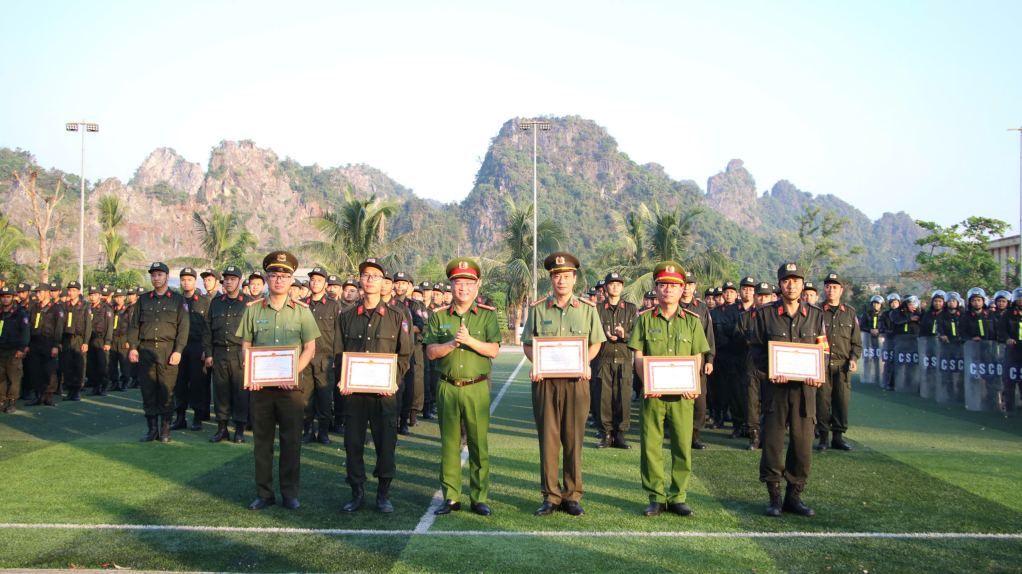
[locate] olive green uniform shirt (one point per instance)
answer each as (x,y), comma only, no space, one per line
(463,363)
(292,326)
(657,336)
(578,318)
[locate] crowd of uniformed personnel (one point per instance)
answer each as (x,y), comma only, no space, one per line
(185,351)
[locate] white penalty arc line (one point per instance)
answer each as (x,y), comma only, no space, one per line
(438,497)
(549,534)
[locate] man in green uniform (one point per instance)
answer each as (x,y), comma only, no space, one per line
(14,341)
(412,398)
(120,371)
(192,388)
(99,342)
(74,344)
(560,405)
(463,338)
(689,302)
(319,378)
(278,321)
(845,342)
(614,363)
(46,328)
(157,336)
(221,347)
(787,405)
(667,331)
(373,326)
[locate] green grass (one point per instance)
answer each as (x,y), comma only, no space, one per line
(917,467)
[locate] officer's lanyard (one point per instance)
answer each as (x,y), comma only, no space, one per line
(954,328)
(981,331)
(874,321)
(934,324)
(37,314)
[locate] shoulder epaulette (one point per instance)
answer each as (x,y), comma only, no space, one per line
(693,313)
(534,303)
(644,311)
(486,307)
(587,301)
(250,303)
(302,303)
(444,308)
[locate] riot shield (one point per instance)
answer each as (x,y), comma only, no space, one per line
(983,370)
(929,367)
(952,368)
(1012,378)
(906,364)
(871,359)
(887,363)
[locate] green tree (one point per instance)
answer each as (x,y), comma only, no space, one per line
(116,250)
(223,237)
(112,215)
(12,238)
(817,233)
(957,259)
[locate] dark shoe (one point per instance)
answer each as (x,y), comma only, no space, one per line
(793,500)
(261,503)
(150,435)
(307,435)
(76,395)
(816,433)
(403,428)
(696,445)
(36,401)
(70,396)
(481,509)
(48,400)
(839,443)
(383,505)
(427,415)
(592,424)
(222,433)
(94,392)
(680,509)
(824,438)
(413,419)
(102,390)
(10,407)
(196,422)
(753,439)
(239,433)
(601,433)
(447,507)
(323,437)
(291,504)
(573,508)
(546,509)
(774,490)
(739,432)
(620,442)
(605,442)
(358,499)
(180,422)
(165,429)
(654,509)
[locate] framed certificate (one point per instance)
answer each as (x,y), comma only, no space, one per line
(797,361)
(560,357)
(369,372)
(271,366)
(672,375)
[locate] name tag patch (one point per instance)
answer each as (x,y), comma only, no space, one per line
(656,331)
(262,321)
(550,322)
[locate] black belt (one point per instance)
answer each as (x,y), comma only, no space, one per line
(463,383)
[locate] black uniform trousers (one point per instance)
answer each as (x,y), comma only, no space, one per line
(615,405)
(832,401)
(753,396)
(595,392)
(736,390)
(230,397)
(787,406)
(273,407)
(380,413)
(191,389)
(318,377)
(158,378)
(699,406)
(96,368)
(11,370)
(120,368)
(406,390)
(340,401)
(74,362)
(431,383)
(43,367)
(427,375)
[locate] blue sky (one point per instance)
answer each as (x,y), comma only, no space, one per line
(892,106)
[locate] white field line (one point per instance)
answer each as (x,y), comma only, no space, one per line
(438,497)
(567,533)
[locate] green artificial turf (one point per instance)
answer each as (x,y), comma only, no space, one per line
(917,467)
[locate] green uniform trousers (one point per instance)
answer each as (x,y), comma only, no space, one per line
(319,377)
(273,407)
(11,369)
(560,407)
(158,378)
(676,411)
(230,397)
(469,404)
(380,413)
(832,401)
(615,395)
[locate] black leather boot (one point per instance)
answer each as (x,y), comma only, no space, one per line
(307,435)
(222,433)
(151,433)
(753,439)
(839,442)
(180,422)
(239,433)
(358,499)
(323,437)
(696,445)
(606,442)
(102,390)
(196,421)
(620,442)
(824,437)
(775,506)
(36,400)
(793,501)
(94,392)
(165,429)
(48,400)
(403,427)
(383,504)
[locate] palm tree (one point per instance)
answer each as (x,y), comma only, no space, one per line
(112,213)
(12,238)
(355,232)
(117,249)
(224,239)
(516,255)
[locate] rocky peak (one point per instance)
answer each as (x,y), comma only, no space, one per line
(733,193)
(240,169)
(165,164)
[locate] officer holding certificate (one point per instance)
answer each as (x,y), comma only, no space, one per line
(560,404)
(667,330)
(463,338)
(787,404)
(278,321)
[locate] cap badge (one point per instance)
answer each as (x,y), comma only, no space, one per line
(669,269)
(281,257)
(789,267)
(463,265)
(559,260)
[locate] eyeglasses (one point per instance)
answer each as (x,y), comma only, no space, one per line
(279,276)
(368,277)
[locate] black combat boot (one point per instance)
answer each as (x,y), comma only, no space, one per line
(839,442)
(36,400)
(222,433)
(793,501)
(620,442)
(696,445)
(358,499)
(151,433)
(165,428)
(824,437)
(180,422)
(197,419)
(239,433)
(102,390)
(753,439)
(775,506)
(307,435)
(383,504)
(48,400)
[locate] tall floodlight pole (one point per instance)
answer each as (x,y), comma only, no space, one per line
(73,127)
(1018,256)
(527,125)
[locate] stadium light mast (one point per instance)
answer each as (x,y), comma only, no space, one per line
(87,127)
(1018,256)
(525,126)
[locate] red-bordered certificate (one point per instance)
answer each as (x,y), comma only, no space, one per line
(560,357)
(796,361)
(672,375)
(369,372)
(271,366)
